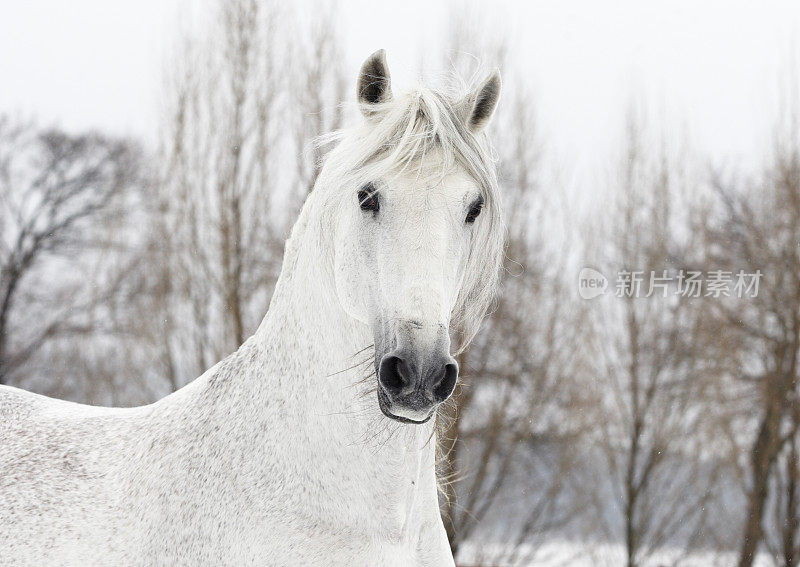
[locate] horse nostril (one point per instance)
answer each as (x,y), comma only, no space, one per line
(391,374)
(446,383)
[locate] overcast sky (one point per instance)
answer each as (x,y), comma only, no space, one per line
(711,68)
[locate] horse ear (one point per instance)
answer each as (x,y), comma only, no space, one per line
(374,82)
(482,102)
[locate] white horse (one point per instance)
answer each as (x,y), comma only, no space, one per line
(284,453)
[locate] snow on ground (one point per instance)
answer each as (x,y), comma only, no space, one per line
(573,554)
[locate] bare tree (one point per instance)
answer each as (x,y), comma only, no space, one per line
(214,227)
(755,229)
(244,100)
(645,366)
(319,91)
(55,189)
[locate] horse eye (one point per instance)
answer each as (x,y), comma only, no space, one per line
(368,198)
(474,210)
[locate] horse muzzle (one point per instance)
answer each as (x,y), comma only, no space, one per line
(413,379)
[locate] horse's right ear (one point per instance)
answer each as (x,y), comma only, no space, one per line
(374,83)
(482,103)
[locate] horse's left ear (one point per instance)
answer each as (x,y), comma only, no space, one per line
(374,82)
(482,103)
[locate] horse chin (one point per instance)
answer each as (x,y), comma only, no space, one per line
(383,403)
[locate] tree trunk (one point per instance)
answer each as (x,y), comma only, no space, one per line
(762,456)
(791,519)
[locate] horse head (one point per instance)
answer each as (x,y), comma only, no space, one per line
(417,232)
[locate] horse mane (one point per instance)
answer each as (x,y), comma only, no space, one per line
(397,138)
